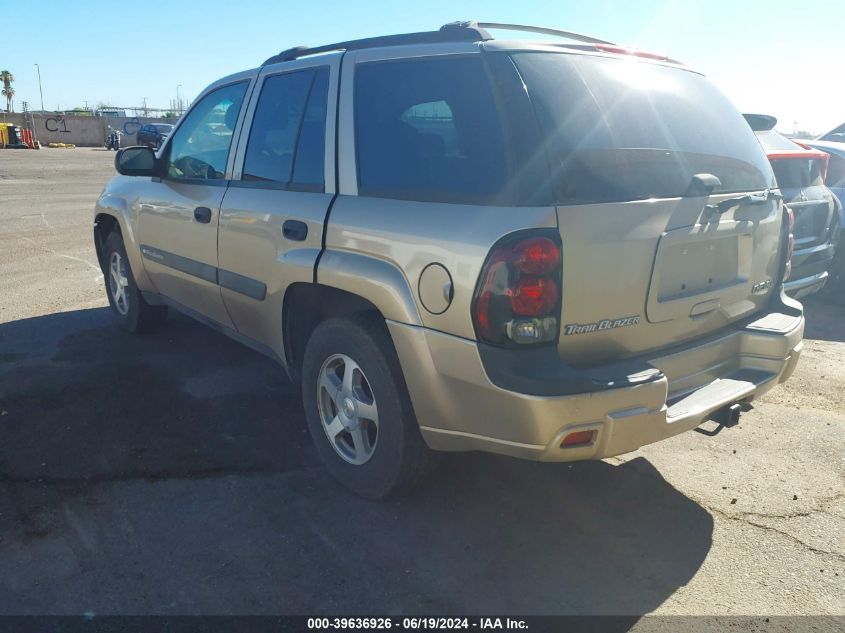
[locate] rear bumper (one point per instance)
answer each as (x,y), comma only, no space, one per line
(809,270)
(798,288)
(459,408)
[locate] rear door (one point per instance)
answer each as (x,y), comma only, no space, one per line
(271,222)
(645,264)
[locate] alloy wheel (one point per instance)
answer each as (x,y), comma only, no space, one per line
(348,409)
(118,283)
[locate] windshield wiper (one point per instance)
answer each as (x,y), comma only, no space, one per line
(727,204)
(704,184)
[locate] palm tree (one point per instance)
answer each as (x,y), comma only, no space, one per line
(7,78)
(9,93)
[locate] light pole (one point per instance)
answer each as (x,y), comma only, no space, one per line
(178,99)
(41,92)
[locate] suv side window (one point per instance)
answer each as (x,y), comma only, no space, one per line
(200,147)
(429,130)
(286,144)
(434,118)
(309,165)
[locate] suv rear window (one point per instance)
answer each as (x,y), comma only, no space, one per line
(428,129)
(798,173)
(620,130)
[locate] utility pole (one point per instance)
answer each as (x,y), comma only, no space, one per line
(41,92)
(144,99)
(178,99)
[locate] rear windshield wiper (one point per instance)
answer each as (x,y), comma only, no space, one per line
(704,184)
(748,199)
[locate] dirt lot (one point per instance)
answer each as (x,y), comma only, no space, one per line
(172,473)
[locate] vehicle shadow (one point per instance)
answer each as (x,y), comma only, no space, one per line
(172,473)
(825,320)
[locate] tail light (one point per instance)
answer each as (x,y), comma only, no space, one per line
(790,241)
(517,298)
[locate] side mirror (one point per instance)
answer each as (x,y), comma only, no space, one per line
(136,161)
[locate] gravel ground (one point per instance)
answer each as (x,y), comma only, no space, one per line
(172,474)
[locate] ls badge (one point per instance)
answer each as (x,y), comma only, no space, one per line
(762,288)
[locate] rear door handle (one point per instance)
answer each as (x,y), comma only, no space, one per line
(295,230)
(202,215)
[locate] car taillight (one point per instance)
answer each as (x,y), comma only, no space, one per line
(517,298)
(790,241)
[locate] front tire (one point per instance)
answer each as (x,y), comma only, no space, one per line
(358,410)
(126,301)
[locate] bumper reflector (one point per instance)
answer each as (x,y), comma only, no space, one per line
(578,438)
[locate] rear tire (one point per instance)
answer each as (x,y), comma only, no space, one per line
(126,301)
(358,410)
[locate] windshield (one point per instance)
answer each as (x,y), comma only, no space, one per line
(164,129)
(621,130)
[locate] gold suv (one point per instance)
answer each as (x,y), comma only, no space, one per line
(555,250)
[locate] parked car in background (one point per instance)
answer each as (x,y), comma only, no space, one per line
(800,172)
(835,286)
(154,134)
(457,243)
(836,135)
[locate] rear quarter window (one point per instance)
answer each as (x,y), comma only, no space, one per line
(619,130)
(429,130)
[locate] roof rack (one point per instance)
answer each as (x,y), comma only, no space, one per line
(455,32)
(466,31)
(570,35)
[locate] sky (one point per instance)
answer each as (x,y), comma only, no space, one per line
(772,57)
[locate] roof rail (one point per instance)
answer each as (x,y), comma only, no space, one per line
(466,31)
(455,32)
(482,26)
